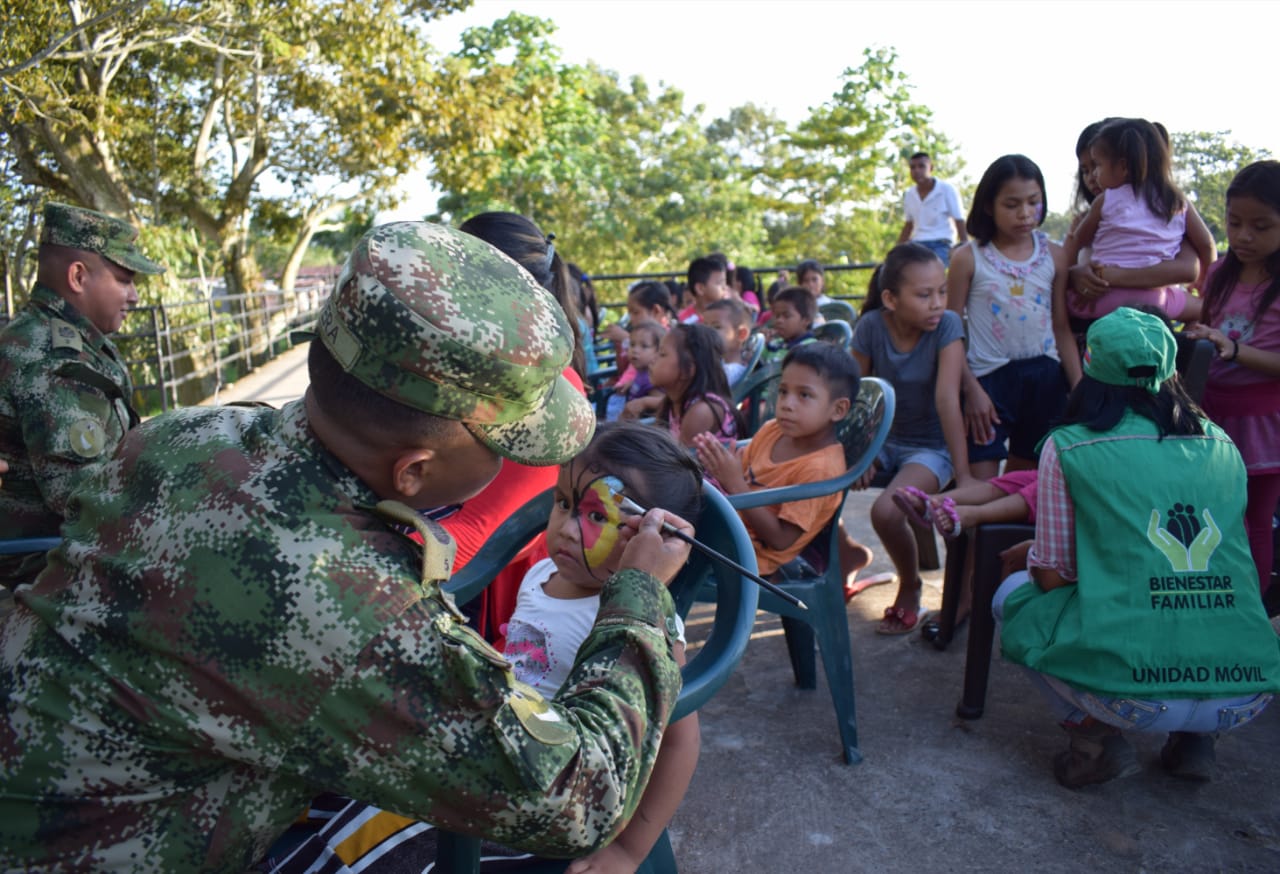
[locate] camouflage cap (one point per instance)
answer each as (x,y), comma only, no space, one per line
(442,322)
(90,231)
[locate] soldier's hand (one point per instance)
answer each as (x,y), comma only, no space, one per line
(654,551)
(4,468)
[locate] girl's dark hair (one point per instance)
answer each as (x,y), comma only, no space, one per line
(523,242)
(586,292)
(872,301)
(809,265)
(888,276)
(1261,181)
(747,278)
(981,223)
(1145,152)
(656,470)
(1100,407)
(650,294)
(1084,196)
(700,352)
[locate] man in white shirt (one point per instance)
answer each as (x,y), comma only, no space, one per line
(931,206)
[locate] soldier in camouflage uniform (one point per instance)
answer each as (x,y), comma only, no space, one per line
(235,621)
(65,395)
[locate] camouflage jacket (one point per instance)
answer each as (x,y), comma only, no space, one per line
(64,407)
(230,627)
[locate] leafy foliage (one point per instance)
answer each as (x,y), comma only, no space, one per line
(1204,164)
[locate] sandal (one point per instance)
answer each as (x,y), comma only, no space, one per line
(946,507)
(921,517)
(860,585)
(906,620)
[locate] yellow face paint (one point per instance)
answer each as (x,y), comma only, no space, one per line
(599,518)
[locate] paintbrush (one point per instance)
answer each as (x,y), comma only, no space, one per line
(629,506)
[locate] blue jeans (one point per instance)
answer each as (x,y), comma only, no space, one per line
(941,248)
(1072,705)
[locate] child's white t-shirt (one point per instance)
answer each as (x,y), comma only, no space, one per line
(544,633)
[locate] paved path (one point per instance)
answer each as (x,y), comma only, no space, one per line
(277,382)
(935,793)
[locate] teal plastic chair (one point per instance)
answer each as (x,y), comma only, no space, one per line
(835,331)
(752,349)
(816,578)
(839,310)
(756,394)
(23,545)
(718,527)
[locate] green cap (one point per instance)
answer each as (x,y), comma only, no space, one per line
(442,322)
(1129,347)
(112,238)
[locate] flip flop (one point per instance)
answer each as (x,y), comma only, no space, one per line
(921,519)
(947,507)
(901,615)
(861,585)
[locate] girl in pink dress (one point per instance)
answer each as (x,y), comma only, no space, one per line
(1242,318)
(1138,219)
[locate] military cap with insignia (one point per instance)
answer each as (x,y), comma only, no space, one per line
(90,231)
(442,322)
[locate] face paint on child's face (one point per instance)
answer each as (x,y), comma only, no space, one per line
(599,518)
(583,537)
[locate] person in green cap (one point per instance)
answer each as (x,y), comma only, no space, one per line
(237,621)
(1141,610)
(65,395)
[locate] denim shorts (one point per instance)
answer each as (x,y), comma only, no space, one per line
(893,456)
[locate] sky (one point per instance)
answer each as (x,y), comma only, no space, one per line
(1000,76)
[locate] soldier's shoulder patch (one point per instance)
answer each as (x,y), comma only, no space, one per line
(65,335)
(88,438)
(537,717)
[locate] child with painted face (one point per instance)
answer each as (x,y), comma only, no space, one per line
(560,596)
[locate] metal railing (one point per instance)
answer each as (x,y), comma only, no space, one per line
(616,296)
(179,354)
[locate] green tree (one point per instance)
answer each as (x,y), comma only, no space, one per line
(623,174)
(1204,164)
(223,117)
(845,165)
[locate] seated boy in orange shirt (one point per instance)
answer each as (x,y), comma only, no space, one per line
(818,384)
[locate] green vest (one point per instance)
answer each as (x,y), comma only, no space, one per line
(1167,603)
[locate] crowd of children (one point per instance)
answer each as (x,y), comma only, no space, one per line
(982,354)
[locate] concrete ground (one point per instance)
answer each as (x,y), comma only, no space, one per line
(935,793)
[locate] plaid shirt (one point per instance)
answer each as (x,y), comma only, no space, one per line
(1055,546)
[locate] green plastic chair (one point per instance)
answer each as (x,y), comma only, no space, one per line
(752,349)
(835,331)
(756,394)
(839,310)
(817,580)
(23,545)
(718,527)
